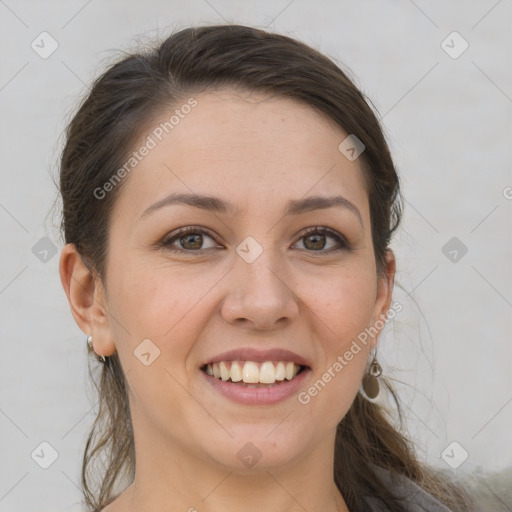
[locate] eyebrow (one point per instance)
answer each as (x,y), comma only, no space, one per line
(218,205)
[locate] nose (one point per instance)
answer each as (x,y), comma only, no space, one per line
(261,295)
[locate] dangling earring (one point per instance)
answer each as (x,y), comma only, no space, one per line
(370,385)
(91,349)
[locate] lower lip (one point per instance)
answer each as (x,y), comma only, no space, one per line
(258,396)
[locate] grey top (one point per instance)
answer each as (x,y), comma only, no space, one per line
(416,499)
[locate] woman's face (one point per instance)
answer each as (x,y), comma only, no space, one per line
(247,277)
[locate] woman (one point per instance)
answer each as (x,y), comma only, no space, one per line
(228,203)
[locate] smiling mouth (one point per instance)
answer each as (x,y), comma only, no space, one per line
(253,374)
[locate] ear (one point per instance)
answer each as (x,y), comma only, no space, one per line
(87,299)
(385,282)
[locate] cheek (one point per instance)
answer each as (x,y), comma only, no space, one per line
(171,307)
(342,302)
(342,307)
(163,304)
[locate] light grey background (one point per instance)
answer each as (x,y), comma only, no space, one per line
(448,121)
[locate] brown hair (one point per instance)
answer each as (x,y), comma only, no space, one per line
(119,107)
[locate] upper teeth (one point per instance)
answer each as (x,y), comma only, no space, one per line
(251,372)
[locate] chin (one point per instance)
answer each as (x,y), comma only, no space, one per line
(258,450)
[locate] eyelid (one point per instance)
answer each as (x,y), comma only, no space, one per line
(187,230)
(324,230)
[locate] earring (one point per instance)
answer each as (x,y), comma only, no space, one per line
(370,384)
(91,349)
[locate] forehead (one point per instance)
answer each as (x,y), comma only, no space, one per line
(248,148)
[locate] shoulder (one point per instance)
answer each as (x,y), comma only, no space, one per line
(415,499)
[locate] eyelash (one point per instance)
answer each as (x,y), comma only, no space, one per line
(322,230)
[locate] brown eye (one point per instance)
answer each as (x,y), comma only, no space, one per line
(315,240)
(191,241)
(188,239)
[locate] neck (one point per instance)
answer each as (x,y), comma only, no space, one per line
(169,478)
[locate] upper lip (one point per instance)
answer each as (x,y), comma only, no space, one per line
(252,354)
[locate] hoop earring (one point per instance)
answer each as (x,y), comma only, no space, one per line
(91,349)
(370,386)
